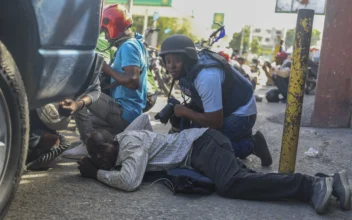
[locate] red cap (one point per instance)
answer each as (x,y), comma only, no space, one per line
(282,55)
(225,55)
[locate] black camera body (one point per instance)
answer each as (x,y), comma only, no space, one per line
(165,114)
(168,111)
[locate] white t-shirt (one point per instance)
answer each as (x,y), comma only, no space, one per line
(208,84)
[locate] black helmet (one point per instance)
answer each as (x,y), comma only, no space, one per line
(179,43)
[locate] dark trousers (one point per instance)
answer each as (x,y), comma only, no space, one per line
(239,130)
(213,156)
(281,84)
(103,113)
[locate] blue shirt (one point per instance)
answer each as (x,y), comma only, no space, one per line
(131,53)
(208,84)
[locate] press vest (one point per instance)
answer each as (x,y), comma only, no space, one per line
(236,90)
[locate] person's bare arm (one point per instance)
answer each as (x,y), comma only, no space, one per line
(207,119)
(208,85)
(129,79)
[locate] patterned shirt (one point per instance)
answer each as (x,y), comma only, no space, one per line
(144,150)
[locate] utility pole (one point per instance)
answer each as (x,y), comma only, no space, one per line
(145,23)
(249,41)
(242,40)
(294,104)
(154,35)
(130,6)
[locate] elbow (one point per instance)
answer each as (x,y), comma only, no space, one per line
(131,185)
(132,189)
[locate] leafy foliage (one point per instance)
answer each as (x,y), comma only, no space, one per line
(290,37)
(177,26)
(235,43)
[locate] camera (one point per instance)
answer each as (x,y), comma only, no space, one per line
(165,114)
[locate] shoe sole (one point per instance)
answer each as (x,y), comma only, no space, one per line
(266,147)
(346,205)
(329,184)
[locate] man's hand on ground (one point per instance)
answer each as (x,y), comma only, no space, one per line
(69,106)
(87,168)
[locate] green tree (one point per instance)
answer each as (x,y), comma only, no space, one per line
(138,23)
(235,42)
(256,47)
(177,26)
(290,37)
(315,37)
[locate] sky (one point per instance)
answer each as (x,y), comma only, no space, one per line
(238,13)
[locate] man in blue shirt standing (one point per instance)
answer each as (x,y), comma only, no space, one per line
(128,73)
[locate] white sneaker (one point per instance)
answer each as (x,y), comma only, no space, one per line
(76,152)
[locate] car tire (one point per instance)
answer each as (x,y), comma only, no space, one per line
(14,128)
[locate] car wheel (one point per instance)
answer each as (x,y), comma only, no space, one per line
(14,128)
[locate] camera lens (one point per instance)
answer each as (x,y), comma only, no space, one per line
(165,114)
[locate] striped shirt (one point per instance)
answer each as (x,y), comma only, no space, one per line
(144,150)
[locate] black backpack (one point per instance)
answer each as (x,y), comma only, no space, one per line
(272,95)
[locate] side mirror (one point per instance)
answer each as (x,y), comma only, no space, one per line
(167,30)
(156,16)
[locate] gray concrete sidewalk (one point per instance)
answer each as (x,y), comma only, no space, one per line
(60,192)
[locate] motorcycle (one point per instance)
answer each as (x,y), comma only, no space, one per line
(157,66)
(213,38)
(311,77)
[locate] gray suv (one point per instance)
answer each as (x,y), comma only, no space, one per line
(46,54)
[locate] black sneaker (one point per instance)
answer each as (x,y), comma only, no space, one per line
(261,149)
(341,188)
(258,98)
(322,190)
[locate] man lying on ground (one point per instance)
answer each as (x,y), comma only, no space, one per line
(121,163)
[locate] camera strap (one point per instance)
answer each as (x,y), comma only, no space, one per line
(172,86)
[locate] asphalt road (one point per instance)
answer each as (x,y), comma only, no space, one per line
(60,192)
